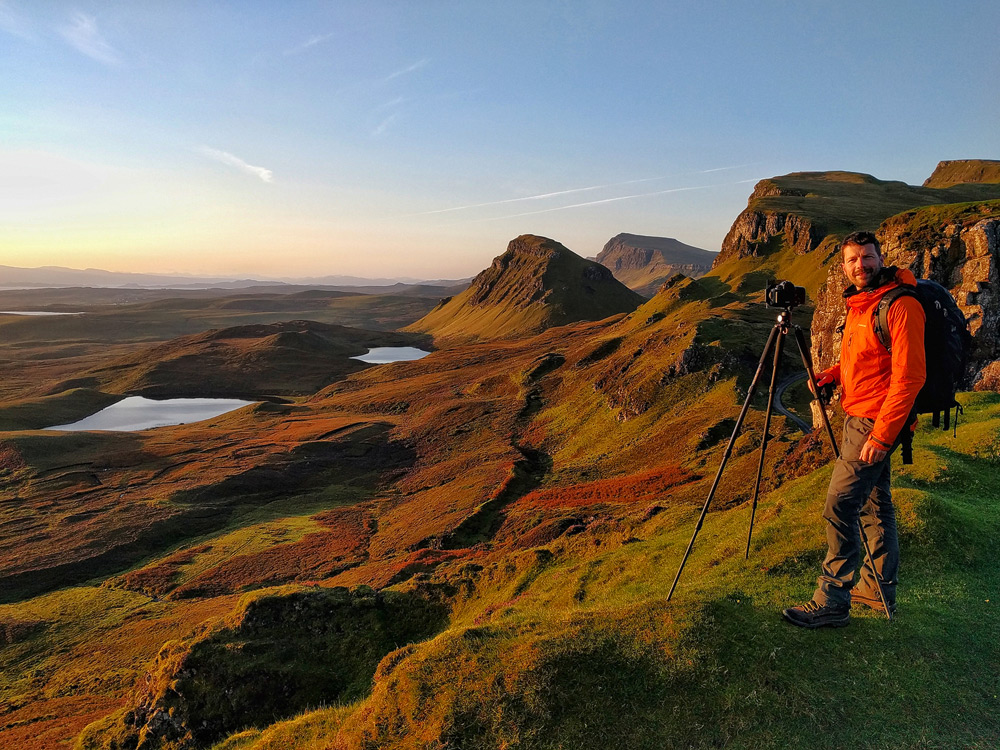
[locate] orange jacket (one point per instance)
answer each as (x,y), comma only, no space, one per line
(876,384)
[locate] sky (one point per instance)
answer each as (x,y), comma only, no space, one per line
(416,138)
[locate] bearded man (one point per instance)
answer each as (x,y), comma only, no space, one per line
(879,388)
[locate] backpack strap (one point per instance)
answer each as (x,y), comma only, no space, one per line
(880,318)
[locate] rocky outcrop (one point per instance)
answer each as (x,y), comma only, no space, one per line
(965,258)
(756,226)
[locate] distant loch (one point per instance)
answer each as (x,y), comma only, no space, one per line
(383,355)
(136,413)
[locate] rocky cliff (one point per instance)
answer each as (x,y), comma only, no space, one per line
(799,211)
(643,263)
(759,223)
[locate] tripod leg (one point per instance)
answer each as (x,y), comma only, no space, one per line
(767,436)
(807,361)
(878,578)
(725,457)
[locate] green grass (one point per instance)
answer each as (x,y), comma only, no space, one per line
(575,646)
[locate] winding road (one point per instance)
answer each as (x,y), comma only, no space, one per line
(780,407)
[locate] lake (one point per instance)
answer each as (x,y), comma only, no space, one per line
(137,413)
(383,355)
(35,312)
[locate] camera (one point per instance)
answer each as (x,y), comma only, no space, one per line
(784,294)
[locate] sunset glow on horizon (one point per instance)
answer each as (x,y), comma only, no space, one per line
(400,139)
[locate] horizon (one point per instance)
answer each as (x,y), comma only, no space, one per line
(387,140)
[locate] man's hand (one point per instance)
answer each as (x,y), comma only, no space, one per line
(871,453)
(822,380)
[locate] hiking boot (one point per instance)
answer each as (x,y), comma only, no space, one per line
(814,615)
(871,600)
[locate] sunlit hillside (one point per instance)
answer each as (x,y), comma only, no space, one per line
(537,283)
(473,549)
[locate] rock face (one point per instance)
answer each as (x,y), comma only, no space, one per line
(959,247)
(537,283)
(643,263)
(964,171)
(757,225)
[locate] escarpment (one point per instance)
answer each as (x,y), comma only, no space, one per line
(755,227)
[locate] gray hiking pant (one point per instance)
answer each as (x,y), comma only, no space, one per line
(859,493)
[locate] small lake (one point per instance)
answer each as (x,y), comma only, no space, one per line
(383,355)
(137,413)
(35,312)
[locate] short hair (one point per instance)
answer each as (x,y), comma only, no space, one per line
(861,239)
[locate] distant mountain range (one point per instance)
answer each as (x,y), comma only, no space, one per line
(639,262)
(57,276)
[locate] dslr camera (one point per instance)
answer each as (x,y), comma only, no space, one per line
(784,294)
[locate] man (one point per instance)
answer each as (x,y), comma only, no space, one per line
(879,388)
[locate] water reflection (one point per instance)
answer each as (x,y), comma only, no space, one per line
(137,413)
(35,312)
(383,355)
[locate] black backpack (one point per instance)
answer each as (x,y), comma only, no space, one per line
(947,343)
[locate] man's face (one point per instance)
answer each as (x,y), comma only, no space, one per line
(861,264)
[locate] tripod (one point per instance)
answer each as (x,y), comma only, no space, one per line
(776,342)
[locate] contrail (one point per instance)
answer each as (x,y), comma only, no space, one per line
(619,198)
(542,196)
(724,169)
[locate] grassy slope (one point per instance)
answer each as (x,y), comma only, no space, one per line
(537,283)
(573,645)
(950,173)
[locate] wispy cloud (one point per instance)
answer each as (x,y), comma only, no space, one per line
(83,35)
(618,198)
(589,188)
(383,126)
(726,169)
(234,161)
(310,42)
(12,23)
(408,69)
(540,196)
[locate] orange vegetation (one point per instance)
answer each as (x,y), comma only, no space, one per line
(317,555)
(645,487)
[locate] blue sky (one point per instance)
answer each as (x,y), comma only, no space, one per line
(416,138)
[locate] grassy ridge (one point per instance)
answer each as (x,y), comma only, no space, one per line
(841,202)
(573,646)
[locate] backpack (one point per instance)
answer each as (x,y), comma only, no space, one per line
(947,343)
